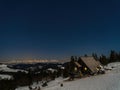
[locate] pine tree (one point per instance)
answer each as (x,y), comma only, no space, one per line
(113,56)
(72,65)
(103,60)
(95,56)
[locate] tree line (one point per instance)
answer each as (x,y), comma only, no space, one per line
(113,56)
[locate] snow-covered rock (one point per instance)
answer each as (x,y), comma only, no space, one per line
(2,76)
(51,70)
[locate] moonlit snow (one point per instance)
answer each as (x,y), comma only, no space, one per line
(3,76)
(108,81)
(4,68)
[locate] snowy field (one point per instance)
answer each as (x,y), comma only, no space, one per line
(4,68)
(108,81)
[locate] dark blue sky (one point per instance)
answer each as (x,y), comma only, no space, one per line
(56,28)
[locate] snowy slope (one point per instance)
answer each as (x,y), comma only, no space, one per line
(105,82)
(108,81)
(4,68)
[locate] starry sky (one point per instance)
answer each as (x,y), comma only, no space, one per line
(58,28)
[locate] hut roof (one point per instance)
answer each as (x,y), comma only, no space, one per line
(91,63)
(77,64)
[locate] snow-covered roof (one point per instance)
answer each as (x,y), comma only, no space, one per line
(91,63)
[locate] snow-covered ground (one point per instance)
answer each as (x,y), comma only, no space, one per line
(4,68)
(108,81)
(3,76)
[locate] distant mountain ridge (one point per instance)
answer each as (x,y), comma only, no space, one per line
(32,61)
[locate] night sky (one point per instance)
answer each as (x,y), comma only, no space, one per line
(56,28)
